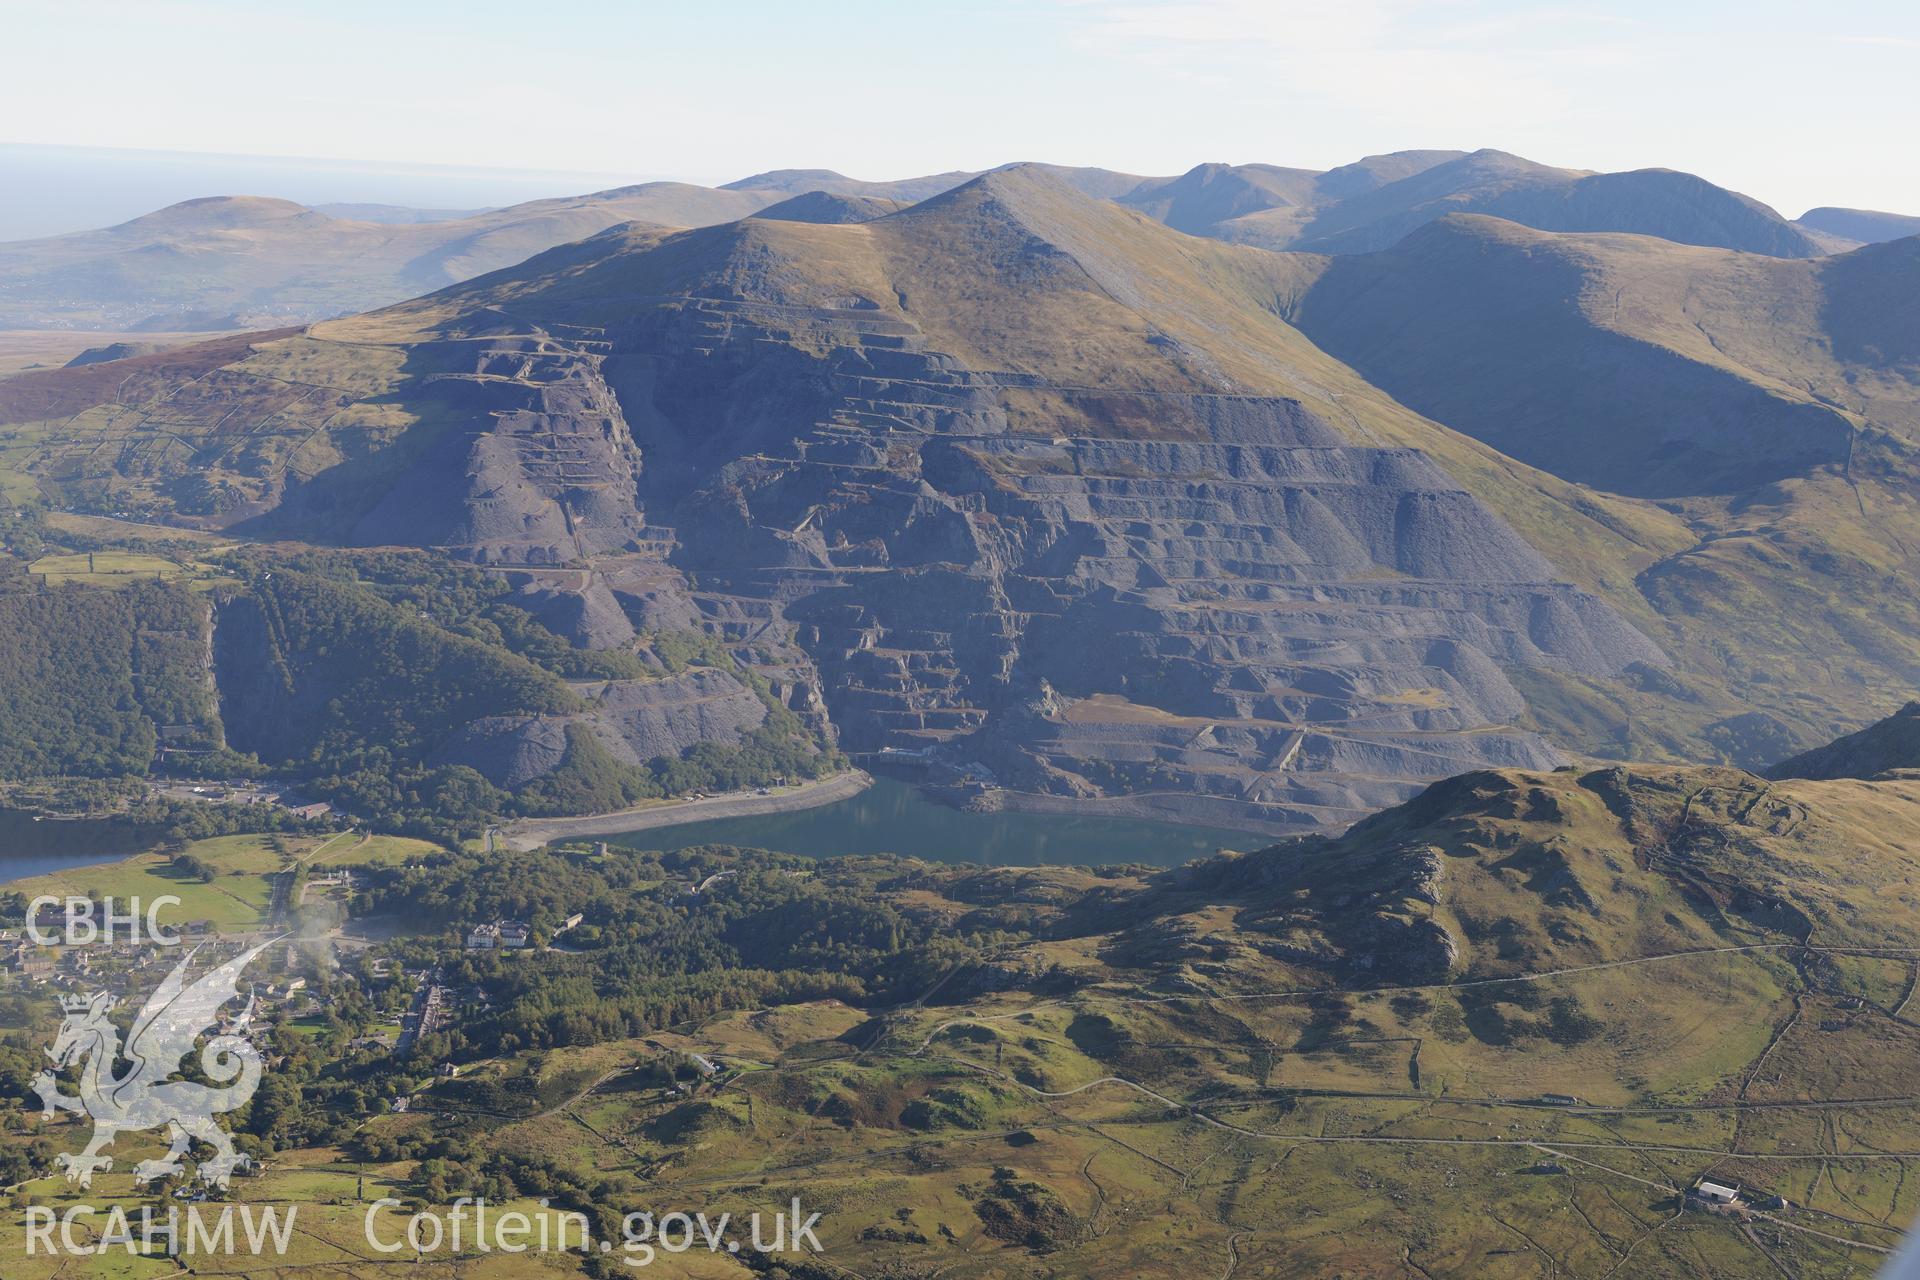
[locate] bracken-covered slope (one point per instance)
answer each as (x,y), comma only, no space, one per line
(1497,1031)
(1015,481)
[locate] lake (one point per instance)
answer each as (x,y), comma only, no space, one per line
(29,848)
(893,817)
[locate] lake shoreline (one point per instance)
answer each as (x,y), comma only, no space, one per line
(531,833)
(14,871)
(32,846)
(894,817)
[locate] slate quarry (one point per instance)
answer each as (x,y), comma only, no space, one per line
(1201,604)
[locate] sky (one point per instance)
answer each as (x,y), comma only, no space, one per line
(485,102)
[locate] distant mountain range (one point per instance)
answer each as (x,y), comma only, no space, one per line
(241,261)
(1862,225)
(1017,483)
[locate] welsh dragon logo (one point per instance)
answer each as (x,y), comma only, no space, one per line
(163,1032)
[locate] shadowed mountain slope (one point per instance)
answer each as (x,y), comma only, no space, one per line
(1631,363)
(820,206)
(1772,404)
(1596,358)
(1882,747)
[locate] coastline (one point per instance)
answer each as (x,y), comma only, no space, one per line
(531,833)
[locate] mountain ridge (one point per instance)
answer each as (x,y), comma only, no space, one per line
(244,261)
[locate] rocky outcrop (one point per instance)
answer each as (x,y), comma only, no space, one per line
(539,471)
(510,751)
(644,719)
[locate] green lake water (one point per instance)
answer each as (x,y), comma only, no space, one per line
(893,817)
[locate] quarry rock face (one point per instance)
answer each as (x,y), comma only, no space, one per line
(589,615)
(541,471)
(1167,589)
(637,721)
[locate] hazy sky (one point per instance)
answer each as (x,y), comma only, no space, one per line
(1795,103)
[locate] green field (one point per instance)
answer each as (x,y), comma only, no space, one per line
(115,568)
(239,895)
(235,900)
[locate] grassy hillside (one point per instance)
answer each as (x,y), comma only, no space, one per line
(1498,1030)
